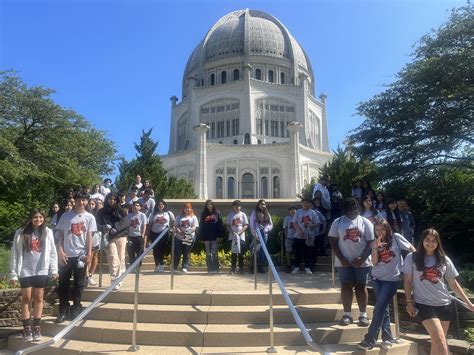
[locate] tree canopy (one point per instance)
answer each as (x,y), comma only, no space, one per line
(425,118)
(148,165)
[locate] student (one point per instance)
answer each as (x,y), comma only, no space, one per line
(407,219)
(427,273)
(53,215)
(136,232)
(105,189)
(290,232)
(260,219)
(117,241)
(137,183)
(33,260)
(393,216)
(96,242)
(237,224)
(75,230)
(148,204)
(380,203)
(387,261)
(369,211)
(162,218)
(358,190)
(351,238)
(132,196)
(305,221)
(210,227)
(186,225)
(321,191)
(319,233)
(96,194)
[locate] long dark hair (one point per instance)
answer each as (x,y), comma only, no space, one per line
(371,208)
(262,215)
(157,208)
(396,213)
(28,229)
(205,212)
(421,253)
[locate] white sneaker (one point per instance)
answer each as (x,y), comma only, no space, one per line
(386,345)
(117,286)
(308,271)
(295,270)
(161,268)
(91,281)
(185,270)
(157,268)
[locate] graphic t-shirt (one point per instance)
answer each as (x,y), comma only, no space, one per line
(185,223)
(287,223)
(75,227)
(32,260)
(389,265)
(303,219)
(237,221)
(161,220)
(353,236)
(429,286)
(137,224)
(147,207)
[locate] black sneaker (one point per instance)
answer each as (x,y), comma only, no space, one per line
(27,334)
(346,320)
(363,322)
(61,317)
(363,345)
(37,334)
(232,271)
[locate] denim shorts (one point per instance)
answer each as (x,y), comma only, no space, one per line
(354,275)
(289,245)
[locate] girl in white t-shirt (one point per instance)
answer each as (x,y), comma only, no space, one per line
(186,225)
(162,218)
(427,273)
(33,260)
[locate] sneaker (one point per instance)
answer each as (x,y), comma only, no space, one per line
(308,271)
(27,335)
(61,317)
(363,322)
(345,320)
(396,341)
(117,286)
(232,271)
(386,344)
(37,334)
(91,281)
(161,268)
(185,270)
(295,270)
(363,345)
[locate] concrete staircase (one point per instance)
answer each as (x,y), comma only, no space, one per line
(224,315)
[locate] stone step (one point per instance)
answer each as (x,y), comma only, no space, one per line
(224,335)
(217,298)
(183,314)
(76,347)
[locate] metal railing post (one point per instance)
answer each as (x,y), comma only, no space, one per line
(255,240)
(271,349)
(134,346)
(333,269)
(396,315)
(172,261)
(282,247)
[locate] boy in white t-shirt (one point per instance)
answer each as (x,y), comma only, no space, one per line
(290,232)
(136,232)
(237,224)
(75,230)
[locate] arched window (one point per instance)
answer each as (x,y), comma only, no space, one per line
(212,79)
(219,187)
(282,78)
(223,77)
(247,138)
(230,187)
(276,187)
(235,141)
(264,187)
(248,186)
(236,74)
(259,142)
(258,74)
(270,76)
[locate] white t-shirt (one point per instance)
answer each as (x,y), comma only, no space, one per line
(389,264)
(429,286)
(75,227)
(237,221)
(137,224)
(303,218)
(97,196)
(287,223)
(185,222)
(353,236)
(147,207)
(161,220)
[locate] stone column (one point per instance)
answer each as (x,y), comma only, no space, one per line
(324,126)
(200,182)
(173,132)
(295,173)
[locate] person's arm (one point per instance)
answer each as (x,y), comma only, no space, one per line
(456,287)
(88,257)
(375,253)
(357,262)
(144,228)
(407,285)
(53,256)
(405,244)
(61,254)
(13,275)
(335,248)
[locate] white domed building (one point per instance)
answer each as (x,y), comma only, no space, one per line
(249,124)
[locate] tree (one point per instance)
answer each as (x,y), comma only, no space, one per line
(425,118)
(148,165)
(44,149)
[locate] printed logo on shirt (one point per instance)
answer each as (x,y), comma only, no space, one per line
(210,219)
(144,208)
(291,226)
(432,274)
(78,228)
(386,255)
(185,223)
(352,234)
(134,222)
(160,220)
(305,220)
(35,244)
(236,222)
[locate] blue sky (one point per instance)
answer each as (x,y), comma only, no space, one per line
(117,63)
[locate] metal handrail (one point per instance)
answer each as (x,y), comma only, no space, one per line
(89,308)
(309,340)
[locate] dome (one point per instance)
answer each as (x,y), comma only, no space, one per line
(244,35)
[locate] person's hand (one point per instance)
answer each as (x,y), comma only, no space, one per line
(54,277)
(345,262)
(357,262)
(471,307)
(87,259)
(62,258)
(378,243)
(13,283)
(411,310)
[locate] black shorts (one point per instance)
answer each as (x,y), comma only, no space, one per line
(34,281)
(443,313)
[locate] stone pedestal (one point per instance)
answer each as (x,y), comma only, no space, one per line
(200,181)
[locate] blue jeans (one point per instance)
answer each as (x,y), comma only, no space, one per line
(260,253)
(384,292)
(180,248)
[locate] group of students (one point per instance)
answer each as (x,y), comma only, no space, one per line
(364,247)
